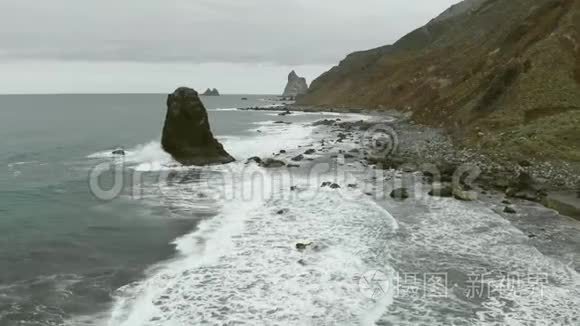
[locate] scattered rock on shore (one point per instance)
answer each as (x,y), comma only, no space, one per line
(298,158)
(400,194)
(325,122)
(254,159)
(509,210)
(272,163)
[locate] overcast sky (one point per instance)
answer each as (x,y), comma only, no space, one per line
(238,46)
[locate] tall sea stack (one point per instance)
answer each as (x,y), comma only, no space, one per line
(186,133)
(296,85)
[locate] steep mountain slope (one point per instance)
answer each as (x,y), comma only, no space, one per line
(500,74)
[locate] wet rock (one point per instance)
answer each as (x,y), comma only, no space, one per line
(334,186)
(325,122)
(310,151)
(186,132)
(298,158)
(400,194)
(303,246)
(325,184)
(254,159)
(119,152)
(293,165)
(509,210)
(282,151)
(272,163)
(282,211)
(352,186)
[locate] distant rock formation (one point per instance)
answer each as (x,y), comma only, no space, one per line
(296,85)
(211,92)
(186,133)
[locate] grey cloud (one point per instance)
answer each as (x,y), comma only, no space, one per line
(290,32)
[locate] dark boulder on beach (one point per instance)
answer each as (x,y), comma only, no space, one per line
(272,163)
(509,210)
(186,133)
(400,194)
(254,159)
(298,158)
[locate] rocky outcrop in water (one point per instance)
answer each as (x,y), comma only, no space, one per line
(211,92)
(186,133)
(296,85)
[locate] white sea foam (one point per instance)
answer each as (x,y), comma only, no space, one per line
(241,266)
(224,109)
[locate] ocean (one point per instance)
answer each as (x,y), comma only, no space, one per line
(87,238)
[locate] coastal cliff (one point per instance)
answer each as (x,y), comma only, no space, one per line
(500,75)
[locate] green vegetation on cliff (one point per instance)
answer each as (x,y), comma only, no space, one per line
(503,75)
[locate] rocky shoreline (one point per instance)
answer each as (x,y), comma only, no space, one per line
(450,170)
